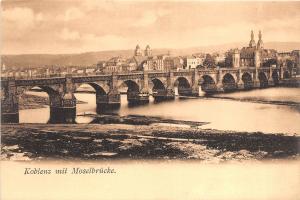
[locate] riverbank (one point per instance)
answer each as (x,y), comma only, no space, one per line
(154,141)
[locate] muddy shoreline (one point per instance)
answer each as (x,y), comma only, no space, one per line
(154,141)
(253,100)
(138,120)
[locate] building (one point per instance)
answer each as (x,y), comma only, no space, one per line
(291,59)
(115,61)
(172,63)
(101,65)
(191,62)
(158,62)
(296,55)
(252,56)
(141,59)
(292,56)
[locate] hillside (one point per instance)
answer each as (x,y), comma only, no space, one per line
(90,58)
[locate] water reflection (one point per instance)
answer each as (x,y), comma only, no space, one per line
(224,114)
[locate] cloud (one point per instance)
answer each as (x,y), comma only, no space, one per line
(66,34)
(21,18)
(71,14)
(150,17)
(51,26)
(106,42)
(147,19)
(92,42)
(39,17)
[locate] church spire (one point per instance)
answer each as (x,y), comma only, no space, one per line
(137,51)
(259,35)
(260,43)
(252,41)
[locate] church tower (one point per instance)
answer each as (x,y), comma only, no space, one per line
(138,51)
(257,58)
(236,59)
(260,44)
(252,42)
(148,51)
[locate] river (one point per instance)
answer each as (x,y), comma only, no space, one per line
(271,110)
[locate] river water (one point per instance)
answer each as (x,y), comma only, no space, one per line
(271,110)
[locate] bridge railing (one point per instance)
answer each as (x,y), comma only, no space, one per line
(23,75)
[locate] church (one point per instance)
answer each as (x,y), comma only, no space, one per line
(255,55)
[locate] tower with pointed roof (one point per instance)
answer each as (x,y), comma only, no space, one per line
(260,44)
(138,51)
(252,41)
(148,51)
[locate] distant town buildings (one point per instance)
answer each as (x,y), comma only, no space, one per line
(253,55)
(292,59)
(141,61)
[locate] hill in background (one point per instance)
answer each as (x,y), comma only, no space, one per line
(90,58)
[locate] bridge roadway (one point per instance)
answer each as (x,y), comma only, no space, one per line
(161,84)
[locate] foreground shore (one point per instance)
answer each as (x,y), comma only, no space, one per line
(153,141)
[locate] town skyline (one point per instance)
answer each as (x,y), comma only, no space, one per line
(62,28)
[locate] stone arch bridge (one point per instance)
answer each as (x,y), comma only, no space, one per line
(140,84)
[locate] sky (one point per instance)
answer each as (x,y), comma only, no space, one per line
(69,26)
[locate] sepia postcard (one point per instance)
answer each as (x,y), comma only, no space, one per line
(149,100)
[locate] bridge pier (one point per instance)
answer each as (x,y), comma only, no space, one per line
(142,96)
(240,85)
(9,102)
(271,82)
(109,101)
(9,114)
(163,95)
(256,84)
(62,109)
(62,115)
(137,98)
(220,87)
(167,93)
(209,88)
(188,91)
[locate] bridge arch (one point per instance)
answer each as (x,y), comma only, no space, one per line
(229,82)
(182,82)
(286,74)
(158,84)
(183,85)
(52,99)
(263,80)
(42,88)
(275,77)
(132,86)
(208,84)
(101,89)
(247,80)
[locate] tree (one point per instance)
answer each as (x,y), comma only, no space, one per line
(221,64)
(209,61)
(270,62)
